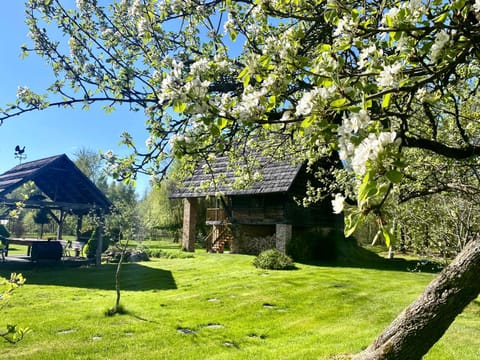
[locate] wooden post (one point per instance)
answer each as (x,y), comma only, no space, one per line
(78,230)
(60,219)
(190,206)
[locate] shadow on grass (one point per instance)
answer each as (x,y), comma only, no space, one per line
(133,277)
(349,254)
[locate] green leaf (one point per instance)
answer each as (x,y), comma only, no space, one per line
(388,237)
(394,176)
(352,221)
(386,100)
(441,18)
(389,20)
(221,123)
(307,122)
(179,106)
(338,102)
(243,73)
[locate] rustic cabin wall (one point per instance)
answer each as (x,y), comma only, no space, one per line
(258,209)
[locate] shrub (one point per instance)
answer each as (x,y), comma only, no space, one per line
(90,248)
(273,260)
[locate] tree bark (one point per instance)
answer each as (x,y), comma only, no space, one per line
(424,322)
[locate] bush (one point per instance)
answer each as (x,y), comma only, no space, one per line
(90,248)
(273,260)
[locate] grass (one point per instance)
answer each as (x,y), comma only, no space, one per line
(218,306)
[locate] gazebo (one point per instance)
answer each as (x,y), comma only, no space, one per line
(61,188)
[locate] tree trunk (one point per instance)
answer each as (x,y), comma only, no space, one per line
(424,322)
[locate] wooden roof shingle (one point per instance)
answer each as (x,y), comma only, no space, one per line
(60,180)
(275,176)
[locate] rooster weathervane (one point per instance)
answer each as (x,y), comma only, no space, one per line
(20,153)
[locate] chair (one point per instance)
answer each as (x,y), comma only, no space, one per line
(67,247)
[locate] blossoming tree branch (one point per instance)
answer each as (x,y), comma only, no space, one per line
(367,82)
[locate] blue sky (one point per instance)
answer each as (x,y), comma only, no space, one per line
(53,131)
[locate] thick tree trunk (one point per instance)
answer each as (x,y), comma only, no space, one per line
(424,322)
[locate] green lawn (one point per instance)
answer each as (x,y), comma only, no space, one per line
(218,306)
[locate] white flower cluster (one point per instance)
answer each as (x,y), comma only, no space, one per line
(370,149)
(345,30)
(310,99)
(23,93)
(441,39)
(143,26)
(413,10)
(351,126)
(171,82)
(199,67)
(176,139)
(280,46)
(149,142)
(476,6)
(80,4)
(135,9)
(229,25)
(366,54)
(389,76)
(250,106)
(338,203)
(355,122)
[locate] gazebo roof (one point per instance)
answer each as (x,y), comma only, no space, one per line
(60,180)
(276,176)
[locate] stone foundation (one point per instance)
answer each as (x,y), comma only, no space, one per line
(283,234)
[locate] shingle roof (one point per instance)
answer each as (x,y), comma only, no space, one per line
(60,180)
(276,176)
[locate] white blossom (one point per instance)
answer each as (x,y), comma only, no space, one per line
(369,149)
(356,121)
(476,6)
(250,105)
(177,68)
(391,14)
(344,27)
(309,99)
(199,67)
(108,155)
(80,4)
(338,203)
(365,54)
(135,9)
(305,104)
(421,94)
(229,25)
(441,39)
(149,142)
(23,92)
(388,76)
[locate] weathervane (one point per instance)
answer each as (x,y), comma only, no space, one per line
(20,153)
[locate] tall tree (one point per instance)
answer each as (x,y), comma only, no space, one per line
(91,164)
(370,80)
